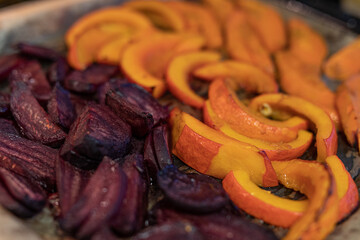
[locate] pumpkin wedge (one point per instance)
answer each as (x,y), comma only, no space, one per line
(249,77)
(326,137)
(178,73)
(138,63)
(230,109)
(275,151)
(243,44)
(211,152)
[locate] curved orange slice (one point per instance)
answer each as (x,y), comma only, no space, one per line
(249,77)
(145,62)
(275,151)
(178,73)
(227,106)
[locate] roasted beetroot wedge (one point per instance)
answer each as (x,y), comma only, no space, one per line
(8,126)
(137,107)
(90,79)
(32,119)
(104,234)
(37,51)
(29,194)
(218,225)
(60,107)
(191,192)
(29,159)
(150,161)
(131,215)
(98,202)
(7,64)
(32,74)
(161,145)
(70,181)
(4,105)
(58,71)
(96,133)
(176,230)
(11,204)
(112,84)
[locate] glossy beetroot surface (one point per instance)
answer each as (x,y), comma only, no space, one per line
(32,119)
(191,192)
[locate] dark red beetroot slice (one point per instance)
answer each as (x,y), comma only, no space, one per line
(104,234)
(172,231)
(113,83)
(32,119)
(60,107)
(37,51)
(161,145)
(8,202)
(191,192)
(150,161)
(96,133)
(141,122)
(32,74)
(98,202)
(7,64)
(4,104)
(90,79)
(79,103)
(131,214)
(70,181)
(136,146)
(24,191)
(29,159)
(218,225)
(58,70)
(137,107)
(8,126)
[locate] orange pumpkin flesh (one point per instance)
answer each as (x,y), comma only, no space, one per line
(306,44)
(220,8)
(212,153)
(248,77)
(243,44)
(226,105)
(345,185)
(83,51)
(303,80)
(326,137)
(266,22)
(114,15)
(199,20)
(159,13)
(275,151)
(345,63)
(179,69)
(138,63)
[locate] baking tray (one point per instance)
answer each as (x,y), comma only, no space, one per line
(45,22)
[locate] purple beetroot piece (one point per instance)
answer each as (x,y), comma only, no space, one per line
(29,194)
(176,230)
(8,126)
(7,64)
(36,51)
(191,192)
(218,225)
(60,107)
(31,73)
(131,215)
(113,84)
(137,107)
(96,133)
(90,79)
(70,181)
(98,202)
(32,119)
(58,70)
(4,105)
(29,159)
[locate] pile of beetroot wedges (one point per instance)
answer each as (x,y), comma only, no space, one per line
(98,145)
